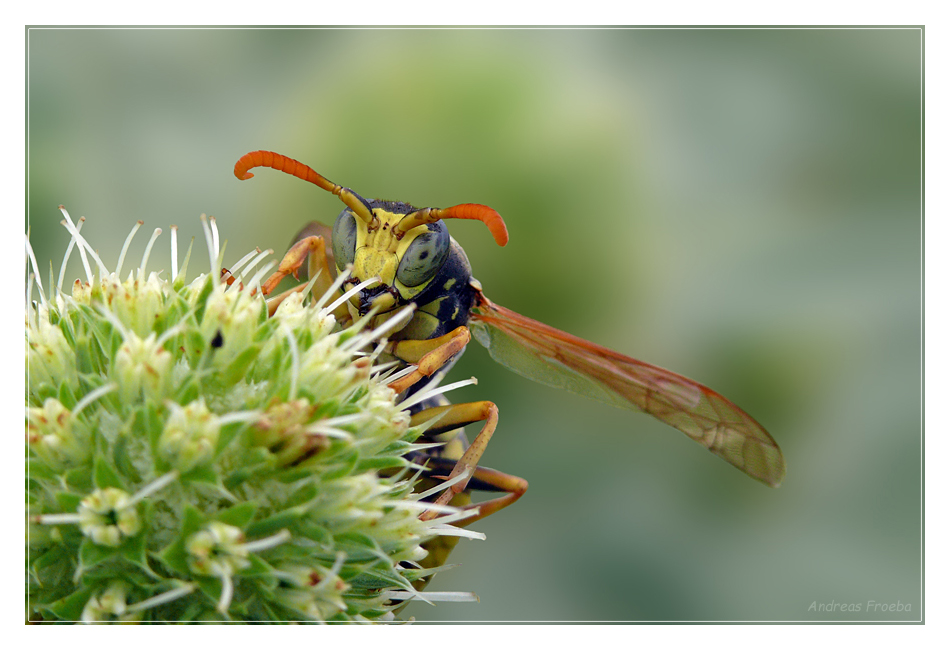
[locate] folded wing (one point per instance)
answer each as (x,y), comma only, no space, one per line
(555,358)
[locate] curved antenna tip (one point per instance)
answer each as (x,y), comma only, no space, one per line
(488,216)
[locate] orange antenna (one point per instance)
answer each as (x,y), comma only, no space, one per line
(296,168)
(496,225)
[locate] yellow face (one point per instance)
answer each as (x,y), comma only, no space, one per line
(404,266)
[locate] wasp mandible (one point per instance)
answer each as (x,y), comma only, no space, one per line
(401,255)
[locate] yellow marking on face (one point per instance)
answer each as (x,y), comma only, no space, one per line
(370,262)
(449,283)
(378,253)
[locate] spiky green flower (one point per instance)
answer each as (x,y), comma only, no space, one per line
(192,458)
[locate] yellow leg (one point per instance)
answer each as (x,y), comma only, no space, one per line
(440,548)
(292,261)
(313,248)
(428,355)
(515,486)
(485,478)
(454,416)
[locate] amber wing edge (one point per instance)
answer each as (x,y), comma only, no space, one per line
(700,412)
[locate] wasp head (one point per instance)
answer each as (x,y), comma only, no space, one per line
(403,261)
(399,246)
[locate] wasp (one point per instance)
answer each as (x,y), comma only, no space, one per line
(398,255)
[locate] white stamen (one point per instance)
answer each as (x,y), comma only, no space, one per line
(240,416)
(227,591)
(125,248)
(294,363)
(462,476)
(92,396)
(424,426)
(345,419)
(329,426)
(379,369)
(346,296)
(459,514)
(268,542)
(438,596)
(455,531)
(241,262)
(68,223)
(340,557)
(83,248)
(31,313)
(378,350)
(161,599)
(397,321)
(36,271)
(69,250)
(174,230)
(422,506)
(255,282)
(329,432)
(423,446)
(148,250)
(337,283)
(212,251)
(65,518)
(154,486)
(257,260)
(408,370)
(214,236)
(426,394)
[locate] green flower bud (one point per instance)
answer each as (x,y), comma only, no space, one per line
(50,360)
(142,366)
(54,437)
(191,458)
(189,436)
(109,605)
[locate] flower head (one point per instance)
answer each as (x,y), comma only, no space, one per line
(53,435)
(189,436)
(190,456)
(108,516)
(108,605)
(217,550)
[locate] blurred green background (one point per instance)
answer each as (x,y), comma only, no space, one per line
(740,206)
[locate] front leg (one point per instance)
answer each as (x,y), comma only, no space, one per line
(314,249)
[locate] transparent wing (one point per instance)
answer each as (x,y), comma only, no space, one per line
(555,358)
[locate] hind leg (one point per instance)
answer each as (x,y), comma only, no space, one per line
(454,416)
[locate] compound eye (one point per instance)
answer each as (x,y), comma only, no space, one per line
(424,256)
(344,238)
